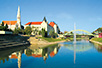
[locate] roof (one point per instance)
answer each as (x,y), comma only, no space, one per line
(52,54)
(10,22)
(34,55)
(14,56)
(52,24)
(33,23)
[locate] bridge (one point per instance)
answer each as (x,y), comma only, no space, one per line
(87,33)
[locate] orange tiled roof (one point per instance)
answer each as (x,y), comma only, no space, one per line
(34,55)
(14,56)
(10,22)
(52,54)
(52,24)
(33,23)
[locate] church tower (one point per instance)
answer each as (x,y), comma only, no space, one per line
(18,18)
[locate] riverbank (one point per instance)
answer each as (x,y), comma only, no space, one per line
(7,41)
(44,41)
(96,40)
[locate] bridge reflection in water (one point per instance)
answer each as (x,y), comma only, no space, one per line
(79,46)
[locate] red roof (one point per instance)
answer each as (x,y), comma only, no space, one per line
(10,22)
(52,24)
(14,56)
(52,54)
(34,55)
(33,23)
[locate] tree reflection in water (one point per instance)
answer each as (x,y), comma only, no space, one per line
(42,51)
(16,53)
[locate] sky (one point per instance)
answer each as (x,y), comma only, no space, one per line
(87,14)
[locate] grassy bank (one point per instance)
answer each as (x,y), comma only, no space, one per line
(97,39)
(51,39)
(76,38)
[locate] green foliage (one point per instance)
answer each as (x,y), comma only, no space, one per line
(55,35)
(52,34)
(51,39)
(2,28)
(39,32)
(18,31)
(97,39)
(28,30)
(99,29)
(6,26)
(2,24)
(44,33)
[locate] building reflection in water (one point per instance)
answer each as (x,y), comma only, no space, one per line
(42,51)
(12,53)
(17,55)
(36,52)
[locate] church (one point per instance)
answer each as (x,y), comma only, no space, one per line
(14,24)
(44,25)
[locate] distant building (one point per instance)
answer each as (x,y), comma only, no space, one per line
(43,24)
(14,24)
(100,35)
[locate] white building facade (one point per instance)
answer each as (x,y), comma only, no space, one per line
(43,25)
(14,24)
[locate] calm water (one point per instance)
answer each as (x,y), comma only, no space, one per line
(63,55)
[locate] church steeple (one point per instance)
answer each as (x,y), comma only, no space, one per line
(19,18)
(45,19)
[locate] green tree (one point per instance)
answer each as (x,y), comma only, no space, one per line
(6,26)
(2,24)
(51,33)
(55,35)
(44,33)
(15,31)
(28,30)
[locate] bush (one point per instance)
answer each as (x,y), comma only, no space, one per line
(53,34)
(44,33)
(2,24)
(28,30)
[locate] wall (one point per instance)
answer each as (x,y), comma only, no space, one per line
(5,32)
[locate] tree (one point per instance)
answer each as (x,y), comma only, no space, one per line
(16,31)
(44,33)
(28,30)
(6,26)
(2,24)
(65,32)
(51,33)
(55,35)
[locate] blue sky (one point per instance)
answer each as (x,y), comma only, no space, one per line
(87,14)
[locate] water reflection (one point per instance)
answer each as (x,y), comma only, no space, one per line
(42,51)
(38,52)
(80,46)
(98,47)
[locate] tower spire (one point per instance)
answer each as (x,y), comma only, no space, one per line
(19,18)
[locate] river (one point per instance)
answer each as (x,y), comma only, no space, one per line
(62,55)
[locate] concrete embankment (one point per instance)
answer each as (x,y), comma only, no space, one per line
(95,42)
(12,41)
